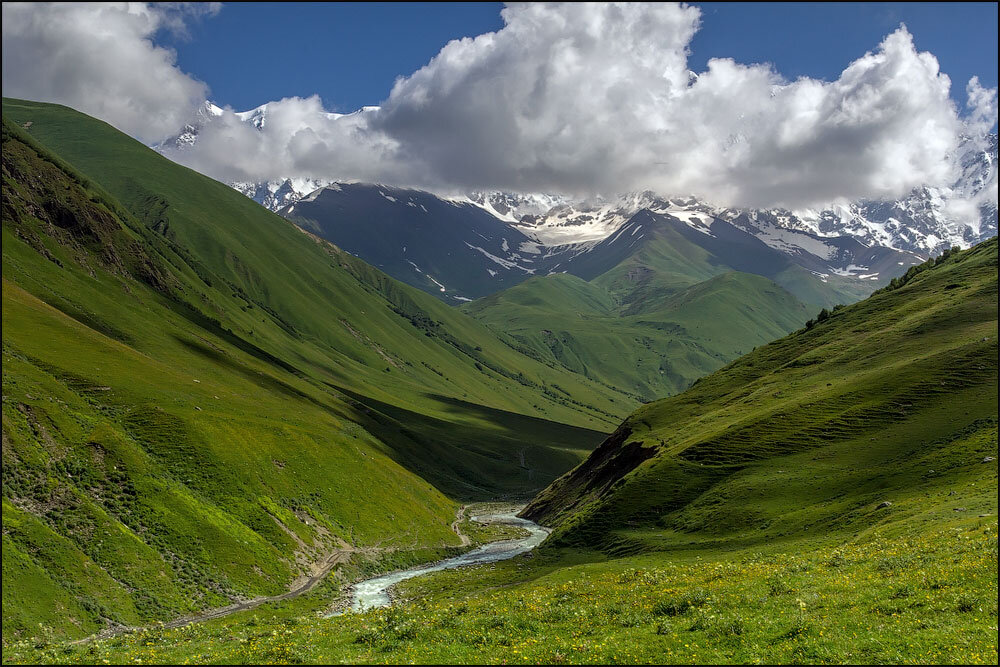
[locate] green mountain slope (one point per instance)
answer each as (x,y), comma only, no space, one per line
(892,399)
(658,304)
(661,248)
(201,402)
(658,342)
(828,498)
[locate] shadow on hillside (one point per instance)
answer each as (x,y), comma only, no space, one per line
(482,454)
(469,452)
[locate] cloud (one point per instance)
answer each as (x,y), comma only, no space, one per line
(599,98)
(574,99)
(100,59)
(298,138)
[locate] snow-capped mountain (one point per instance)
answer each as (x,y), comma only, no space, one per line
(455,250)
(513,207)
(925,222)
(189,134)
(209,112)
(458,250)
(275,195)
(589,220)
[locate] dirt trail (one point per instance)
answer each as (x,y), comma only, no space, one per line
(457,528)
(320,570)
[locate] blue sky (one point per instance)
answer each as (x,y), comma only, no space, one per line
(577,99)
(350,54)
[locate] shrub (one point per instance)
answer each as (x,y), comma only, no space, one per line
(677,605)
(778,586)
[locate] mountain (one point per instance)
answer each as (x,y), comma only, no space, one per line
(640,251)
(680,246)
(188,135)
(512,207)
(453,249)
(807,435)
(925,221)
(592,220)
(459,250)
(670,297)
(275,195)
(649,349)
(662,272)
(203,404)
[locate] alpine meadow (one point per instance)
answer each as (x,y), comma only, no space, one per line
(594,341)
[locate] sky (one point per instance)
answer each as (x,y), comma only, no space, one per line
(350,54)
(743,104)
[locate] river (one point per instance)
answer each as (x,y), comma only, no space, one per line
(372,593)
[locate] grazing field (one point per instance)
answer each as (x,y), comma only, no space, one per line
(202,404)
(879,600)
(831,497)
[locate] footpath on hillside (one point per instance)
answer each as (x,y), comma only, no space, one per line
(319,569)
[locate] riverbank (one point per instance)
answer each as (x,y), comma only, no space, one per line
(377,591)
(363,558)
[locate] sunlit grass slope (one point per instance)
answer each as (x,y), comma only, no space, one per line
(200,400)
(325,315)
(326,312)
(653,344)
(929,599)
(893,397)
(829,498)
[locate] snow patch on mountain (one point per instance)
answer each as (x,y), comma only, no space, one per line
(589,220)
(505,263)
(275,195)
(511,207)
(925,221)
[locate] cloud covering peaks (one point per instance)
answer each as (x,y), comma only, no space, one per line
(100,58)
(578,99)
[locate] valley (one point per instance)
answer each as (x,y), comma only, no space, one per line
(217,419)
(861,529)
(172,383)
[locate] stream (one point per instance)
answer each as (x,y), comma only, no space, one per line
(372,593)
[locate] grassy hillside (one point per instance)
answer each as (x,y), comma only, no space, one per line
(330,318)
(828,498)
(659,304)
(276,286)
(656,342)
(672,254)
(889,399)
(201,402)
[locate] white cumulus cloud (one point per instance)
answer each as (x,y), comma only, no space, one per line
(580,99)
(100,58)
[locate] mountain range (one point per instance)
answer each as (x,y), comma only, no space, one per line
(462,248)
(926,221)
(207,405)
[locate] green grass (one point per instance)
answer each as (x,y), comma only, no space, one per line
(321,311)
(807,427)
(904,600)
(199,398)
(653,341)
(864,539)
